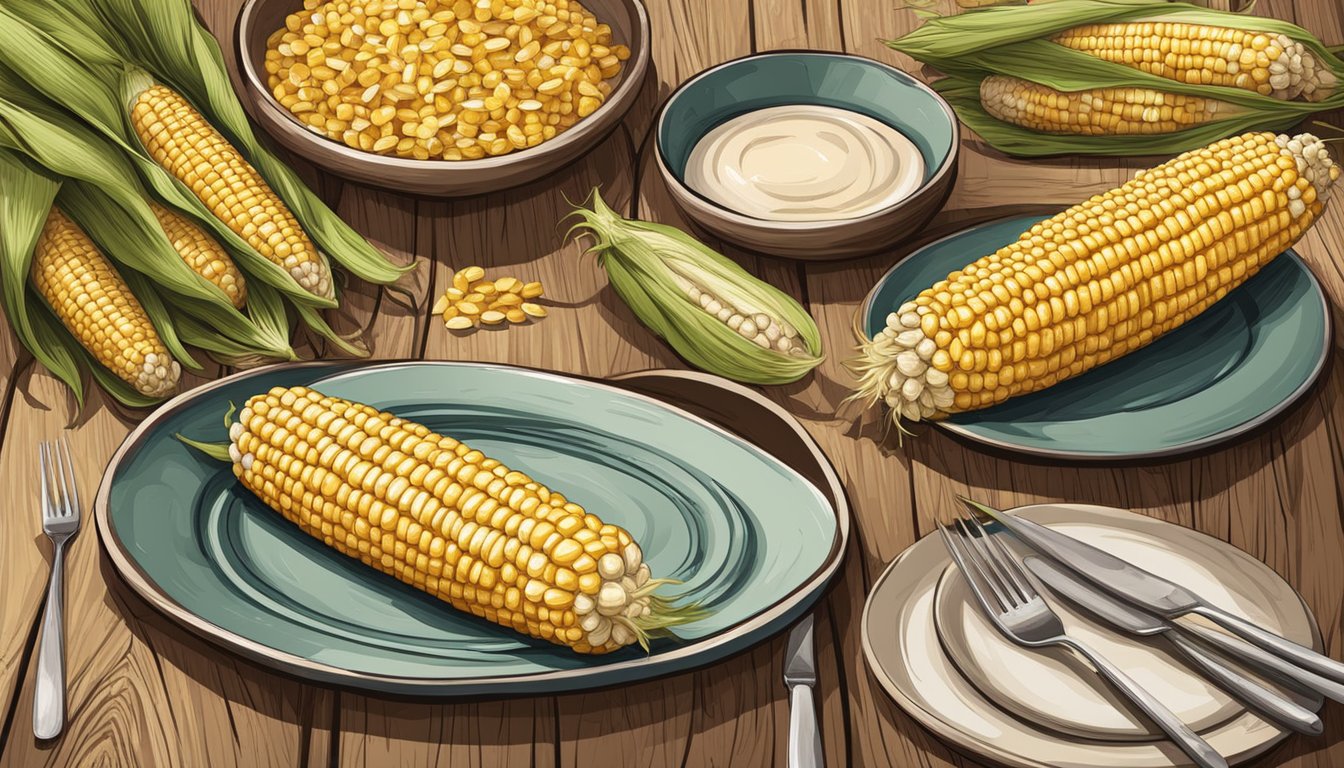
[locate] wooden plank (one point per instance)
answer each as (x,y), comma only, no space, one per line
(794,24)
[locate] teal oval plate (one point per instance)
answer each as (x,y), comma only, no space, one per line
(1224,373)
(751,539)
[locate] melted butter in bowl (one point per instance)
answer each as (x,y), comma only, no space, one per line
(805,162)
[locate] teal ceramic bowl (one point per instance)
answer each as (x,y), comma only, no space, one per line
(779,79)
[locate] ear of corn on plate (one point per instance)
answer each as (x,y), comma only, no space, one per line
(702,503)
(1037,44)
(1098,280)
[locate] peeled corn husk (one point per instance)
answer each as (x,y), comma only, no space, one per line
(85,70)
(27,193)
(662,273)
(107,201)
(1013,41)
(164,38)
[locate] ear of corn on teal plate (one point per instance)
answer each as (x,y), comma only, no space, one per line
(1218,376)
(750,539)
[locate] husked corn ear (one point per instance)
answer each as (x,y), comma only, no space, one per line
(92,301)
(1099,280)
(1270,64)
(178,138)
(200,251)
(1096,111)
(447,520)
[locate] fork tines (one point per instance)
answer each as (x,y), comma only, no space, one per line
(987,563)
(60,492)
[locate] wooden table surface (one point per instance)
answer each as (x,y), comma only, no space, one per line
(144,692)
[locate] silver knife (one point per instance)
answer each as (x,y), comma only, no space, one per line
(1259,698)
(1149,592)
(800,674)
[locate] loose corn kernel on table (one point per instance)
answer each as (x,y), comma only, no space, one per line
(144,692)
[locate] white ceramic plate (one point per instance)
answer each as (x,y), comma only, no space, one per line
(919,636)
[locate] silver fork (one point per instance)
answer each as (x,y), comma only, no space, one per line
(60,521)
(1013,604)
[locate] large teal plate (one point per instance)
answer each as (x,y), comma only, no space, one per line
(1224,373)
(753,539)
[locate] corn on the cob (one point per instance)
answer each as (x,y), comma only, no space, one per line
(447,520)
(1096,111)
(200,251)
(1270,64)
(1099,280)
(178,138)
(91,300)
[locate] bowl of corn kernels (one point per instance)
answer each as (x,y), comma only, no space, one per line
(441,97)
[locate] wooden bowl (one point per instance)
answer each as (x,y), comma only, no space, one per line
(780,78)
(258,19)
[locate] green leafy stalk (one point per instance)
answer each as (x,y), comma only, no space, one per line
(650,264)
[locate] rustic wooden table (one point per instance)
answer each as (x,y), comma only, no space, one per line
(144,692)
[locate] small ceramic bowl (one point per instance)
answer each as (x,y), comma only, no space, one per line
(258,19)
(825,79)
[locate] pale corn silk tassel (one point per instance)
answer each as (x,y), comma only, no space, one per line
(903,366)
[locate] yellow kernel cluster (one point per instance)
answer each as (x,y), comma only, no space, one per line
(472,300)
(1097,111)
(442,79)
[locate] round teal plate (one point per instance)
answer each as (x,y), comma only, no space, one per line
(1224,373)
(750,538)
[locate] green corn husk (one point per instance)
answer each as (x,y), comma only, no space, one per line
(90,88)
(26,196)
(1013,41)
(165,38)
(109,204)
(647,263)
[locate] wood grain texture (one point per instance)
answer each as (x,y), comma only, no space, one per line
(145,692)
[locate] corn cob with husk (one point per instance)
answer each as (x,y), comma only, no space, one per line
(447,520)
(1098,280)
(200,252)
(1096,111)
(710,310)
(1270,64)
(1123,76)
(178,54)
(184,144)
(94,303)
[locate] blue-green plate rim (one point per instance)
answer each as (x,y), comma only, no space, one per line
(948,165)
(1183,449)
(764,624)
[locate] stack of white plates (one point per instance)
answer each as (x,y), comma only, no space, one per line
(941,659)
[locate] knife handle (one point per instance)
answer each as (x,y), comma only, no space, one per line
(1298,654)
(1267,663)
(1259,698)
(804,736)
(1199,750)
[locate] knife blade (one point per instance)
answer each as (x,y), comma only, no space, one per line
(800,674)
(1148,591)
(1111,611)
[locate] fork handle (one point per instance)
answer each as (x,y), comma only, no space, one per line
(49,698)
(1190,742)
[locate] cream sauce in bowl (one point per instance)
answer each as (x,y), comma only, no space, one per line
(805,162)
